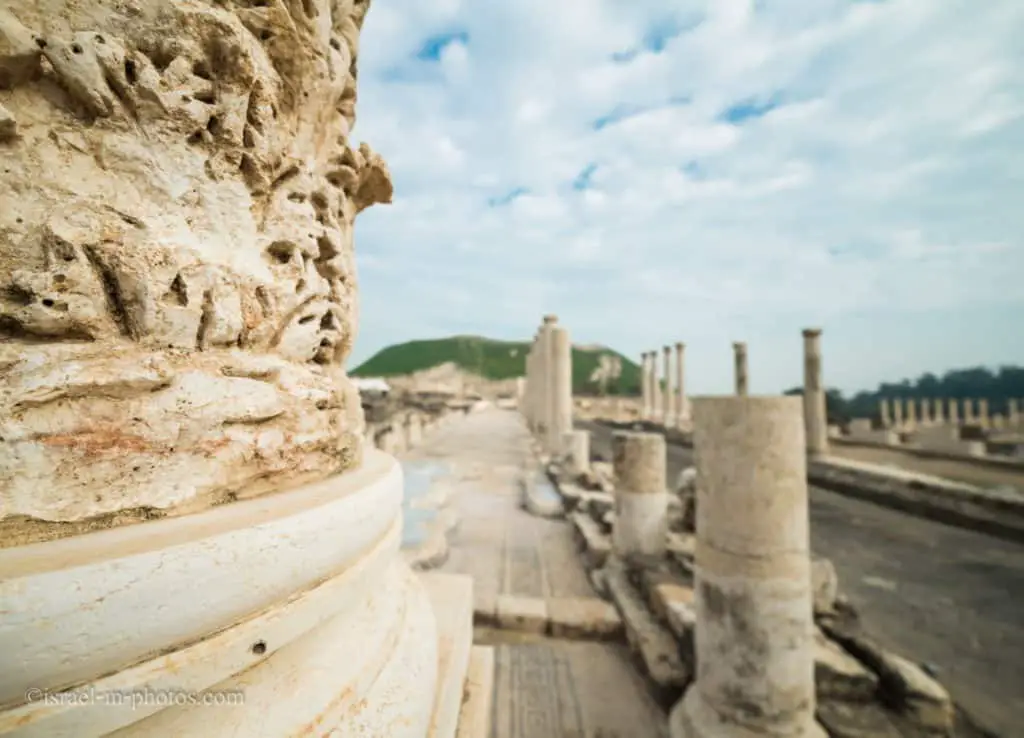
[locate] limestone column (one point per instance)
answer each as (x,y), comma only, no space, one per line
(954,415)
(754,636)
(577,447)
(897,413)
(681,409)
(740,361)
(668,395)
(544,384)
(968,411)
(883,413)
(1013,412)
(560,386)
(911,413)
(926,418)
(641,495)
(937,416)
(647,398)
(815,411)
(983,420)
(655,388)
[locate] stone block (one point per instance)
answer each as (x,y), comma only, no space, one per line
(583,617)
(523,614)
(478,695)
(838,675)
(824,585)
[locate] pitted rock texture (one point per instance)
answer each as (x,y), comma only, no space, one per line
(177,282)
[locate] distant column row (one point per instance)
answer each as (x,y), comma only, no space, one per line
(547,392)
(663,403)
(908,413)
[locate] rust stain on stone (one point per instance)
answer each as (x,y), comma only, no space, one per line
(99,441)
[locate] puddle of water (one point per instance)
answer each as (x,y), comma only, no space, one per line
(544,490)
(419,476)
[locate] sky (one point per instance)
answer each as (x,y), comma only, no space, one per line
(655,171)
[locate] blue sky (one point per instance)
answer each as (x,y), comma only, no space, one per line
(655,171)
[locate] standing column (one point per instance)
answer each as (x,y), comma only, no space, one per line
(668,396)
(577,448)
(926,406)
(655,388)
(740,361)
(544,403)
(954,415)
(560,387)
(897,413)
(681,409)
(937,416)
(754,637)
(815,411)
(983,413)
(968,411)
(883,413)
(641,495)
(645,386)
(911,413)
(1013,412)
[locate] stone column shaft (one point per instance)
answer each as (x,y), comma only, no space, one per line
(1013,412)
(937,416)
(897,413)
(954,415)
(740,367)
(577,447)
(926,406)
(911,408)
(815,411)
(667,396)
(560,384)
(655,387)
(983,418)
(647,399)
(681,409)
(641,495)
(883,413)
(754,637)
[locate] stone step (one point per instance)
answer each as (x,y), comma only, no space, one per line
(561,617)
(451,596)
(478,695)
(654,642)
(596,545)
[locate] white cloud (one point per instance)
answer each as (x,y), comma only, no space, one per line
(876,171)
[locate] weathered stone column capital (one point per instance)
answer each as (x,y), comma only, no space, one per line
(811,332)
(550,318)
(680,345)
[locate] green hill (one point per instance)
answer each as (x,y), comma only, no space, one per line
(493,360)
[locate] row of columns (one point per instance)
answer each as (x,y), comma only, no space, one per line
(667,404)
(908,412)
(754,636)
(547,391)
(671,408)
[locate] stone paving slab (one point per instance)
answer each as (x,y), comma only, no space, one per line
(564,689)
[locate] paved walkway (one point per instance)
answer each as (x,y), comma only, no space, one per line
(544,688)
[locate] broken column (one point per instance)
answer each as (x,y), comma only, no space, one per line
(754,638)
(883,413)
(559,385)
(815,410)
(740,366)
(641,495)
(647,394)
(668,403)
(577,445)
(656,406)
(911,414)
(982,419)
(682,412)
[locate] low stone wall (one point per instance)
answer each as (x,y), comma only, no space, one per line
(966,451)
(992,511)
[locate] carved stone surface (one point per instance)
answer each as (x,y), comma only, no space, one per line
(177,284)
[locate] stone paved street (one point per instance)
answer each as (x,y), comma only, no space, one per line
(544,687)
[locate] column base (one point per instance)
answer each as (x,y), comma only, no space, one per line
(692,718)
